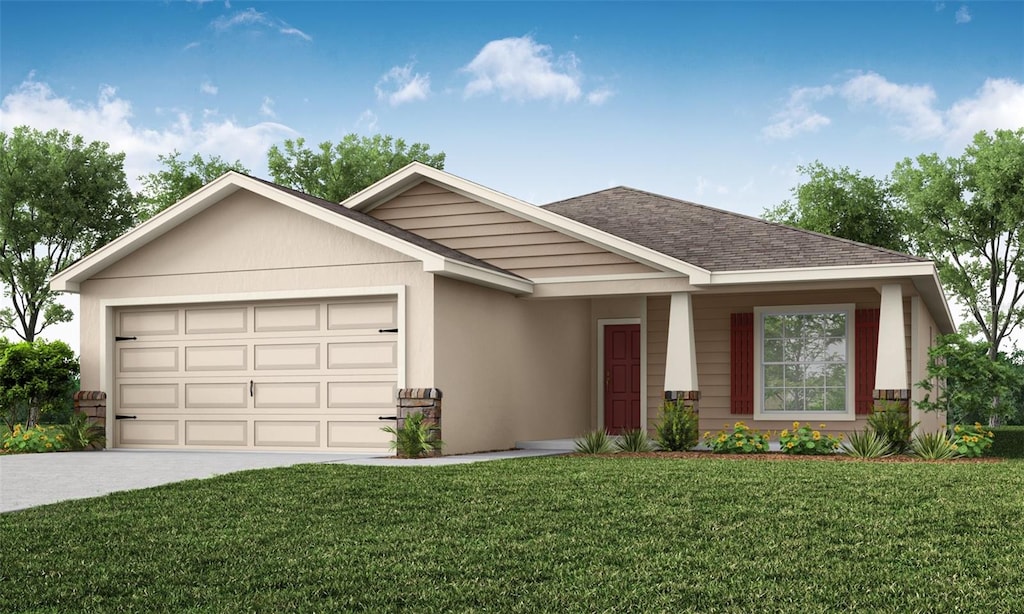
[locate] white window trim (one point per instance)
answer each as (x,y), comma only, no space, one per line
(759,413)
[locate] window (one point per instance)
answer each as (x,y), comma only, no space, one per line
(803,367)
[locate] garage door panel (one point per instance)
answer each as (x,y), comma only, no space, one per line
(287,356)
(362,315)
(148,359)
(287,433)
(361,434)
(294,374)
(148,432)
(217,395)
(148,323)
(362,355)
(216,432)
(302,395)
(361,394)
(148,396)
(287,318)
(216,321)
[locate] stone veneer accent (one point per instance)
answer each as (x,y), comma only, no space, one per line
(688,397)
(897,395)
(426,401)
(92,403)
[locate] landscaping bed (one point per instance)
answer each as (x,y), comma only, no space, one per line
(778,456)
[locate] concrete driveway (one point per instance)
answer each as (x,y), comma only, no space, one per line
(28,480)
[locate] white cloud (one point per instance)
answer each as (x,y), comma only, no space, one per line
(252,17)
(208,88)
(110,119)
(963,15)
(367,119)
(191,45)
(911,106)
(267,107)
(912,109)
(522,69)
(999,103)
(599,96)
(798,116)
(400,85)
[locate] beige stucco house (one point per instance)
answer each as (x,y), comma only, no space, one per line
(251,316)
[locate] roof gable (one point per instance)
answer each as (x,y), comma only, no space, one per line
(715,239)
(435,257)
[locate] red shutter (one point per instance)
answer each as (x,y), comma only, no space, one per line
(866,349)
(742,371)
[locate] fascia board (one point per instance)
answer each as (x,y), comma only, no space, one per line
(381,191)
(468,272)
(867,271)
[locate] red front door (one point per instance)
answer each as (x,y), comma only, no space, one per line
(621,377)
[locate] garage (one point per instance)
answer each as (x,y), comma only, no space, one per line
(284,375)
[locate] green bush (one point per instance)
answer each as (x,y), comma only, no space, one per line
(633,440)
(594,442)
(972,440)
(805,440)
(741,440)
(36,439)
(866,444)
(677,430)
(414,439)
(82,433)
(1007,442)
(891,420)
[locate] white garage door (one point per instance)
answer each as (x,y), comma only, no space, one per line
(276,375)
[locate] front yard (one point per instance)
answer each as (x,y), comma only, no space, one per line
(567,534)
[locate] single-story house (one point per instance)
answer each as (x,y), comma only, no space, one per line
(253,316)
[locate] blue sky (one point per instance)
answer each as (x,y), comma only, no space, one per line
(712,102)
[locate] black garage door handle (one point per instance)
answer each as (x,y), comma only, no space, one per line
(123,417)
(387,417)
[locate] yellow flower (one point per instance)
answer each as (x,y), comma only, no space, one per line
(759,446)
(977,425)
(25,437)
(785,433)
(990,434)
(956,429)
(49,445)
(739,444)
(821,426)
(60,438)
(796,425)
(722,438)
(790,444)
(816,435)
(45,438)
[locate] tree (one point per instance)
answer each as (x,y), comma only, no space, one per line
(336,171)
(179,178)
(38,375)
(974,387)
(843,203)
(60,198)
(967,214)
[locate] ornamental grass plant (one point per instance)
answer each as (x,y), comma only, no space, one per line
(595,442)
(633,440)
(866,444)
(934,446)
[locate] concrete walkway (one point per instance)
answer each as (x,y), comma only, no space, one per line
(29,480)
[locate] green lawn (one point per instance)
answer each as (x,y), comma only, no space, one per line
(564,534)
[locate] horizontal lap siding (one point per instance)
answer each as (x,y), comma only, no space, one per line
(500,238)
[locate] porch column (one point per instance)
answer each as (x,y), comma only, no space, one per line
(681,360)
(891,364)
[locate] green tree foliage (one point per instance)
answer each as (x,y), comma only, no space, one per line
(179,178)
(967,384)
(843,203)
(60,198)
(336,171)
(38,375)
(967,214)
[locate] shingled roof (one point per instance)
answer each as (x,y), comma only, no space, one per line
(391,229)
(714,239)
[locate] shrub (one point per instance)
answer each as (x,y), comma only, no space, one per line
(934,446)
(972,441)
(82,433)
(37,379)
(36,439)
(1007,442)
(633,440)
(804,440)
(677,430)
(741,440)
(414,439)
(594,442)
(866,444)
(891,420)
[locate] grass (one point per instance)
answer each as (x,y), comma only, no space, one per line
(571,534)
